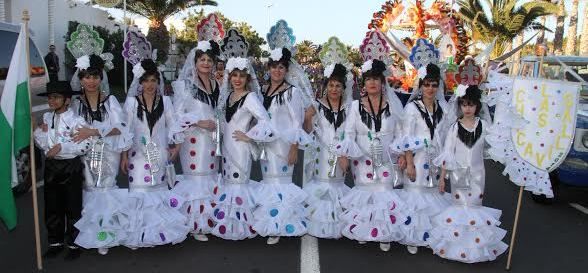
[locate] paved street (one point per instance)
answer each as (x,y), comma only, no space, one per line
(552,238)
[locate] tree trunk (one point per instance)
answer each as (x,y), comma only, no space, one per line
(584,38)
(541,36)
(572,30)
(559,29)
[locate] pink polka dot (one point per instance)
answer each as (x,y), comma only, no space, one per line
(374,232)
(355,162)
(368,162)
(239,201)
(212,166)
(393,219)
(352,227)
(385,174)
(147,179)
(201,209)
(193,166)
(369,175)
(193,140)
(222,229)
(192,153)
(212,153)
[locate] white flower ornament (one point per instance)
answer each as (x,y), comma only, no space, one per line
(276,54)
(329,70)
(138,70)
(366,66)
(83,62)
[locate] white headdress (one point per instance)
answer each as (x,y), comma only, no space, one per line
(279,38)
(374,47)
(84,42)
(334,52)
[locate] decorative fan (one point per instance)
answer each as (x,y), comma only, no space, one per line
(423,53)
(374,46)
(234,45)
(136,47)
(469,73)
(334,51)
(85,41)
(281,35)
(210,28)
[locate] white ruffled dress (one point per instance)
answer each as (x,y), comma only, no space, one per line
(104,218)
(422,202)
(324,207)
(466,231)
(155,217)
(200,164)
(236,197)
(373,208)
(280,202)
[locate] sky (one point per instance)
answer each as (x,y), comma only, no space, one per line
(314,20)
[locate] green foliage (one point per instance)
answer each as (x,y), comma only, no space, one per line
(307,53)
(159,39)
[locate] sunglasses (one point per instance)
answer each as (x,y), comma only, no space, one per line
(434,85)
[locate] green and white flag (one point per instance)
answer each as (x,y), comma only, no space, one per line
(15,122)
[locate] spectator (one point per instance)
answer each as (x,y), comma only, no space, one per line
(52,62)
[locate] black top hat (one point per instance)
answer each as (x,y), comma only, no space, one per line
(58,87)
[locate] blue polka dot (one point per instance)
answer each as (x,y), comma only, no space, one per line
(222,197)
(215,212)
(284,168)
(273,212)
(417,142)
(280,196)
(438,177)
(265,169)
(406,145)
(289,229)
(238,215)
(398,147)
(303,223)
(425,236)
(408,220)
(426,166)
(277,226)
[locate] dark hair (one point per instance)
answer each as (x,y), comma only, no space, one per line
(213,52)
(95,68)
(473,95)
(236,70)
(339,74)
(285,60)
(376,72)
(150,70)
(433,74)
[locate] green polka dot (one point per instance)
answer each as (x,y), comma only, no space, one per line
(102,236)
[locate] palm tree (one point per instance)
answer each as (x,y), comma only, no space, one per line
(572,30)
(505,20)
(157,11)
(307,52)
(559,28)
(584,38)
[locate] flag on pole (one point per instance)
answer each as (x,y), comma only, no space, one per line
(15,122)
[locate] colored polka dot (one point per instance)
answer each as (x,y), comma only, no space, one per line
(210,223)
(463,255)
(193,166)
(456,196)
(131,179)
(238,214)
(133,153)
(131,166)
(146,166)
(147,179)
(273,212)
(303,223)
(173,202)
(289,229)
(442,251)
(481,195)
(369,175)
(385,174)
(189,209)
(284,168)
(212,166)
(448,220)
(222,197)
(215,212)
(162,236)
(495,251)
(338,146)
(456,234)
(368,162)
(488,222)
(393,219)
(406,145)
(215,190)
(195,226)
(102,236)
(477,240)
(425,236)
(280,196)
(239,201)
(352,227)
(201,209)
(222,229)
(417,142)
(408,220)
(193,140)
(472,222)
(265,169)
(192,153)
(374,232)
(212,153)
(220,215)
(355,162)
(426,166)
(245,216)
(235,175)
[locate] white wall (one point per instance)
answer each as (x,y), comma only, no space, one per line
(65,11)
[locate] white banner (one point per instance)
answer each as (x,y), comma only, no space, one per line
(549,107)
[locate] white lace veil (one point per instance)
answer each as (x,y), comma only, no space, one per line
(76,84)
(226,87)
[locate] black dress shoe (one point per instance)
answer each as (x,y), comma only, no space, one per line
(53,251)
(72,254)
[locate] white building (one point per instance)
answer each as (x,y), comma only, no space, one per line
(50,18)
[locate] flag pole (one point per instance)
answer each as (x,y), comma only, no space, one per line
(26,17)
(514,229)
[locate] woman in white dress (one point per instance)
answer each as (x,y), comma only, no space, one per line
(236,195)
(281,202)
(423,133)
(196,99)
(326,188)
(373,208)
(466,231)
(103,221)
(154,213)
